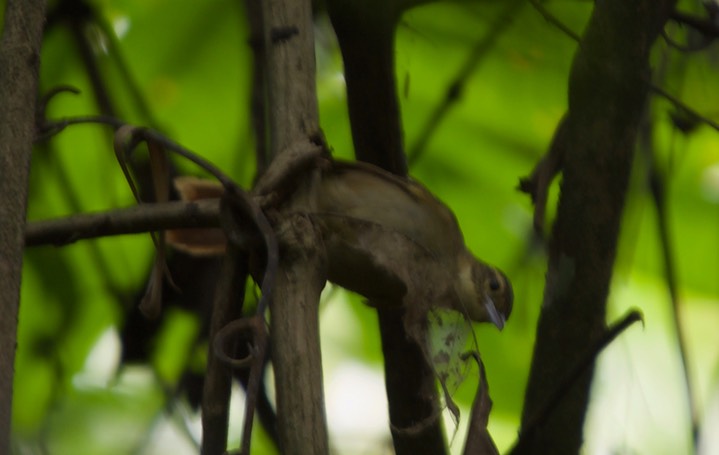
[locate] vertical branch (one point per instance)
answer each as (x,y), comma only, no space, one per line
(366,32)
(253,11)
(288,41)
(19,65)
(454,92)
(226,307)
(292,118)
(607,95)
(295,343)
(657,187)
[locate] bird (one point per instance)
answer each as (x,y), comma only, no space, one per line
(387,238)
(390,240)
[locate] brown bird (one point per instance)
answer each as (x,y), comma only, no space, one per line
(388,239)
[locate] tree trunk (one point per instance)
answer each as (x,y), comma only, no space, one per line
(293,119)
(608,88)
(19,65)
(366,33)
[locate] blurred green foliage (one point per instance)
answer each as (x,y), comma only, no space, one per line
(191,63)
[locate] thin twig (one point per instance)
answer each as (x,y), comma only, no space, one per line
(78,25)
(681,105)
(454,92)
(585,361)
(235,196)
(683,18)
(659,198)
(255,361)
(657,188)
(552,19)
(115,53)
(234,200)
(65,186)
(700,24)
(131,220)
(54,127)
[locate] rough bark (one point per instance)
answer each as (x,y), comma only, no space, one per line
(295,343)
(607,92)
(292,119)
(19,64)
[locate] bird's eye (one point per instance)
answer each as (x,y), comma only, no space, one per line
(494,284)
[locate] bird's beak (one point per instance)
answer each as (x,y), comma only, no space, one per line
(494,316)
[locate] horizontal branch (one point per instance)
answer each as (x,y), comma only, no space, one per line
(132,220)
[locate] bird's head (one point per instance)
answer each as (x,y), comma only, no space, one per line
(485,291)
